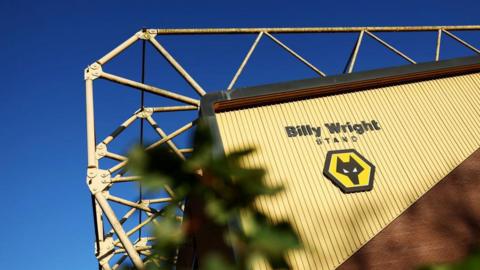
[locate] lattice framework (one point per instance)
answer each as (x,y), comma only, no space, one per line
(118,240)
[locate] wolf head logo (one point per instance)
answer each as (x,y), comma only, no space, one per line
(351,169)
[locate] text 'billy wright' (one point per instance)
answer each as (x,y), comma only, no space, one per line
(337,132)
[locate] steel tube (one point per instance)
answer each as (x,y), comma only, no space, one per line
(130,203)
(464,43)
(296,55)
(212,31)
(439,41)
(124,218)
(115,156)
(99,222)
(117,227)
(127,43)
(125,179)
(355,52)
(119,262)
(163,135)
(175,108)
(92,162)
(146,252)
(118,166)
(120,129)
(169,191)
(245,60)
(99,237)
(149,88)
(106,266)
(153,221)
(141,225)
(177,66)
(171,136)
(144,248)
(390,47)
(159,200)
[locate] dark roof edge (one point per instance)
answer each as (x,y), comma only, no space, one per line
(434,69)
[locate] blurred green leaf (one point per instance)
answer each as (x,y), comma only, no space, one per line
(472,262)
(216,262)
(227,189)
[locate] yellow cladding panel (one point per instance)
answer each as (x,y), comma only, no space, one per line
(414,134)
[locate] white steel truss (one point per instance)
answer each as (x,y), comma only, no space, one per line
(119,240)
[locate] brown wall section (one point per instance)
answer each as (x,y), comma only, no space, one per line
(442,226)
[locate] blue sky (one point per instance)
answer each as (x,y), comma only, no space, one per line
(44,47)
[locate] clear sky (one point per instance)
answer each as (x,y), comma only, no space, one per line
(46,216)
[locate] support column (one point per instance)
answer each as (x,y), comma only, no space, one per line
(117,227)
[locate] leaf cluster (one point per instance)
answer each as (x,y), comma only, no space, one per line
(228,190)
(471,262)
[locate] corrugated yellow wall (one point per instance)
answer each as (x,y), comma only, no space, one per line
(427,129)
